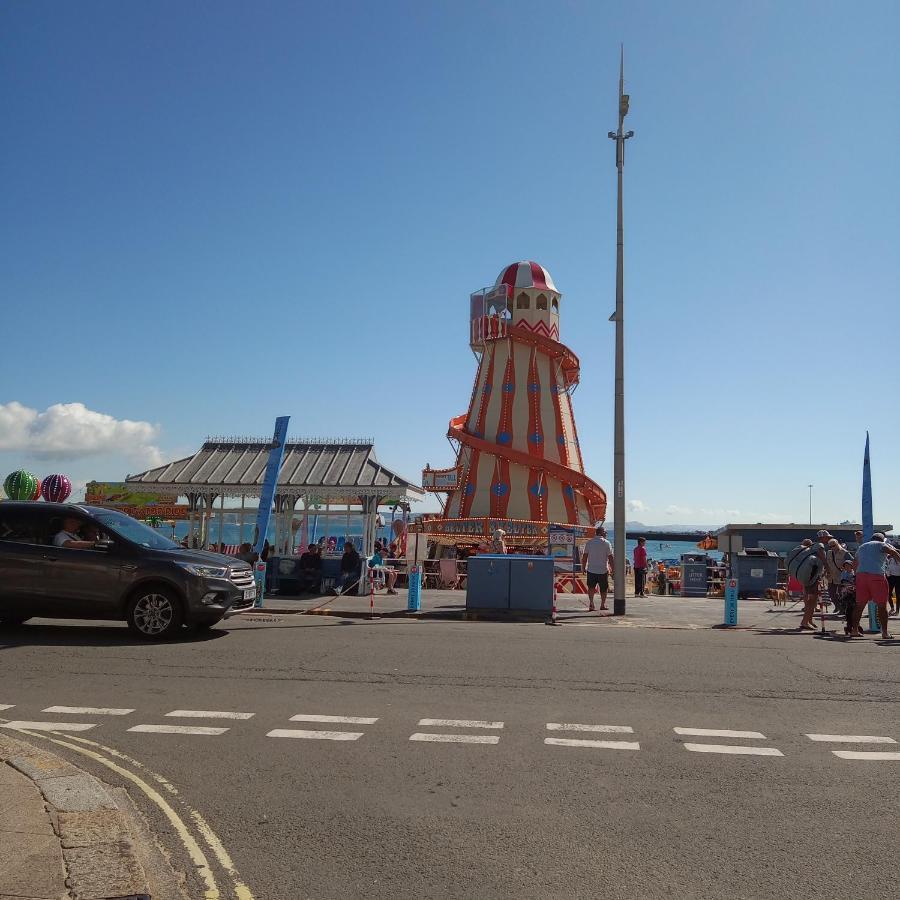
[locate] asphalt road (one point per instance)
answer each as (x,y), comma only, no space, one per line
(386,816)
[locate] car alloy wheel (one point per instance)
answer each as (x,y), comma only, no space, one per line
(153,614)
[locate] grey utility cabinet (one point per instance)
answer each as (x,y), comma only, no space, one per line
(496,581)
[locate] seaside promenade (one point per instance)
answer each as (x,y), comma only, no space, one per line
(665,612)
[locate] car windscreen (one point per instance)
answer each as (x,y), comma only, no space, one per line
(137,532)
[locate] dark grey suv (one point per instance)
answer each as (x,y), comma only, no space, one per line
(111,567)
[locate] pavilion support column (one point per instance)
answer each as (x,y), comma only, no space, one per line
(202,535)
(192,512)
(208,501)
(221,520)
(241,519)
(276,533)
(200,503)
(289,503)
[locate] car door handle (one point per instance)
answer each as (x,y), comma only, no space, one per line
(128,568)
(51,558)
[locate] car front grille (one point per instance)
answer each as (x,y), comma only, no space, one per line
(242,578)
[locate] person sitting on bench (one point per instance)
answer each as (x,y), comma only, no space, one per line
(310,575)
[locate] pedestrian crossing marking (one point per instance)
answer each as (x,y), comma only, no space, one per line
(460,723)
(88,710)
(851,738)
(315,735)
(571,726)
(598,745)
(456,738)
(207,714)
(6,706)
(871,755)
(733,749)
(717,732)
(342,720)
(179,729)
(50,726)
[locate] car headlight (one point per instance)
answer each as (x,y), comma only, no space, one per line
(205,571)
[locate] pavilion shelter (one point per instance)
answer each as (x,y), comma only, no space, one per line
(326,476)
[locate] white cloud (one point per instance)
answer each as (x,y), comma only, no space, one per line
(637,506)
(67,431)
(717,513)
(674,510)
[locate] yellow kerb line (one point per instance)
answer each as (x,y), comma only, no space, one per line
(193,848)
(242,892)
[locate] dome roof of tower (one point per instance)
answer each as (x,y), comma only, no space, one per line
(526,274)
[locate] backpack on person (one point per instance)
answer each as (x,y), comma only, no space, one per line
(803,563)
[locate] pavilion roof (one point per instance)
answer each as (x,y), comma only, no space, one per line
(320,468)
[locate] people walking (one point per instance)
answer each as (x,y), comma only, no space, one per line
(835,557)
(871,582)
(892,570)
(847,594)
(640,567)
(597,561)
(806,563)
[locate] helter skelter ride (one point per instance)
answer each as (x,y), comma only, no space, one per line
(518,462)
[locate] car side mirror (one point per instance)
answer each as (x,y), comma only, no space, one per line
(105,545)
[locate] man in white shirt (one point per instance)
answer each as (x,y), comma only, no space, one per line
(69,538)
(597,561)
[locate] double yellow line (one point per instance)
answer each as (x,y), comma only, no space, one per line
(238,888)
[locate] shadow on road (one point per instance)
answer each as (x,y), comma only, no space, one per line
(76,635)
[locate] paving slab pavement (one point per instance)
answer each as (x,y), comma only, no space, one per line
(62,834)
(647,612)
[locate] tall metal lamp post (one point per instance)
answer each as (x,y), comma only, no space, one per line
(810,503)
(619,137)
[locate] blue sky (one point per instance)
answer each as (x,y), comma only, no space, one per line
(218,213)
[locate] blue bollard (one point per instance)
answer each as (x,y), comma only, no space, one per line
(874,624)
(414,594)
(259,576)
(731,602)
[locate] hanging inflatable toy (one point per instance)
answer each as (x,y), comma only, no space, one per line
(56,488)
(21,485)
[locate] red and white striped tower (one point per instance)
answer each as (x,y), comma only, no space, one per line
(518,454)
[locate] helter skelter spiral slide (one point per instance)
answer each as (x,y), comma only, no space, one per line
(518,464)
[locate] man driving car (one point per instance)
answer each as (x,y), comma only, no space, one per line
(68,537)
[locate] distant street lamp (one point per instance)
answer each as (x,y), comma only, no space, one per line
(810,504)
(619,137)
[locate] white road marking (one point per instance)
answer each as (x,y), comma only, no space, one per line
(456,738)
(207,714)
(713,732)
(88,710)
(562,726)
(459,723)
(177,729)
(342,720)
(6,706)
(867,754)
(599,745)
(851,739)
(733,749)
(316,735)
(50,726)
